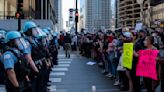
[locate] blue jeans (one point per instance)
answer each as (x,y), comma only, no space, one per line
(111,65)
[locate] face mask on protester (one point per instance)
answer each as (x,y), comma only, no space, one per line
(154,34)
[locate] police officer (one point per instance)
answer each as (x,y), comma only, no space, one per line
(55,49)
(47,40)
(43,43)
(14,63)
(2,49)
(32,34)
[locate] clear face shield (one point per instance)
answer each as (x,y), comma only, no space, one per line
(2,38)
(36,32)
(21,44)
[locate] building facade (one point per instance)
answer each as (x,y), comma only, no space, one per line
(32,9)
(58,11)
(129,12)
(98,14)
(156,13)
(82,17)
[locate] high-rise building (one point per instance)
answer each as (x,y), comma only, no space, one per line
(98,14)
(82,17)
(32,9)
(129,12)
(154,15)
(58,10)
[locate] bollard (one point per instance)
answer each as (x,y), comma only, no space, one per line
(93,88)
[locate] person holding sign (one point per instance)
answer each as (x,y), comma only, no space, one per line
(128,57)
(147,64)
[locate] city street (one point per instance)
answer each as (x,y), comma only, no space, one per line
(107,45)
(74,75)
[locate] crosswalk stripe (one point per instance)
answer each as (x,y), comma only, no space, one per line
(65,62)
(52,88)
(60,59)
(63,65)
(55,79)
(59,69)
(57,74)
(63,55)
(59,90)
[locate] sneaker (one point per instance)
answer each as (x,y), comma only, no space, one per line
(109,75)
(103,71)
(116,83)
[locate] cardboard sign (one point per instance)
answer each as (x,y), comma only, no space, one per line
(127,55)
(146,66)
(138,27)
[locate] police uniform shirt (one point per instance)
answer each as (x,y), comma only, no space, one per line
(9,59)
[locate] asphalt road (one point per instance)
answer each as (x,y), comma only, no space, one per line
(76,76)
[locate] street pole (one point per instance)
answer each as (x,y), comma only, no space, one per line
(140,2)
(149,14)
(75,16)
(4,8)
(142,13)
(19,16)
(19,24)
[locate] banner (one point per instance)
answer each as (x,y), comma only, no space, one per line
(127,55)
(146,66)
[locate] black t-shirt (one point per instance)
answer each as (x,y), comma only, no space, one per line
(67,39)
(139,45)
(105,45)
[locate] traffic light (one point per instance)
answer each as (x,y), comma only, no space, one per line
(76,16)
(17,15)
(19,5)
(71,14)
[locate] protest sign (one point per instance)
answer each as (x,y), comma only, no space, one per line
(146,66)
(127,55)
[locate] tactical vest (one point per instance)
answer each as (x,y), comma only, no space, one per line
(21,68)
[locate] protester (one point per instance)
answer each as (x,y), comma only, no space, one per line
(110,57)
(74,43)
(67,45)
(160,60)
(149,40)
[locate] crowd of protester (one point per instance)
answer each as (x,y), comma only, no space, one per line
(106,48)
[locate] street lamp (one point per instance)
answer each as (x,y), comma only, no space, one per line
(140,2)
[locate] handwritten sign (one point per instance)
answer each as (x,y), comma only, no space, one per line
(146,66)
(127,55)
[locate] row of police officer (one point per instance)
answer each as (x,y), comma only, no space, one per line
(27,58)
